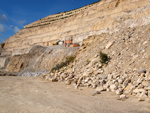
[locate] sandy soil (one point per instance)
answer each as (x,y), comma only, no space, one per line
(33,95)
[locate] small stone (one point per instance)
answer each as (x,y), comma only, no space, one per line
(120,81)
(118,92)
(107,89)
(85,74)
(46,77)
(68,82)
(122,96)
(53,79)
(76,87)
(141,99)
(143,74)
(105,86)
(96,92)
(109,45)
(86,80)
(129,89)
(100,89)
(113,87)
(94,86)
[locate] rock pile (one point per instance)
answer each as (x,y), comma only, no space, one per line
(32,74)
(94,77)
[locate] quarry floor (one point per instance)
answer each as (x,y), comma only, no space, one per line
(33,95)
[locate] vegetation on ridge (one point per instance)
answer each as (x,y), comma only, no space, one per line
(62,15)
(68,60)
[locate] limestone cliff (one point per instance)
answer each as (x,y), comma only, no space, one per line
(108,20)
(106,16)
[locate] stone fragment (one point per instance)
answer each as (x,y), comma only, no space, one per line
(53,79)
(79,81)
(129,89)
(126,82)
(46,77)
(109,45)
(69,77)
(122,97)
(107,89)
(120,81)
(113,87)
(68,82)
(86,80)
(118,91)
(96,92)
(141,99)
(100,88)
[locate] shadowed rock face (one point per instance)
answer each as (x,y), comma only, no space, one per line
(106,16)
(39,58)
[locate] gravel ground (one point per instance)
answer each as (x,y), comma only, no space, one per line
(33,95)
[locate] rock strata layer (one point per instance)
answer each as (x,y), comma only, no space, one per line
(106,16)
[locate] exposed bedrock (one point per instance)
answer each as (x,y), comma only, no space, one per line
(39,58)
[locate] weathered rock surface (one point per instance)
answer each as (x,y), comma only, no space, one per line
(39,58)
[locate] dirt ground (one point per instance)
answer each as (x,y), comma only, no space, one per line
(33,95)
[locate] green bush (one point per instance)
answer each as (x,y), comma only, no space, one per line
(103,58)
(68,60)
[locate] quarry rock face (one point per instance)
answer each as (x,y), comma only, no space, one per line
(106,16)
(120,29)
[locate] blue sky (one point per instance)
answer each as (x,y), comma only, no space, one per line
(15,14)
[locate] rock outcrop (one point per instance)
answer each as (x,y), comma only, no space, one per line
(39,58)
